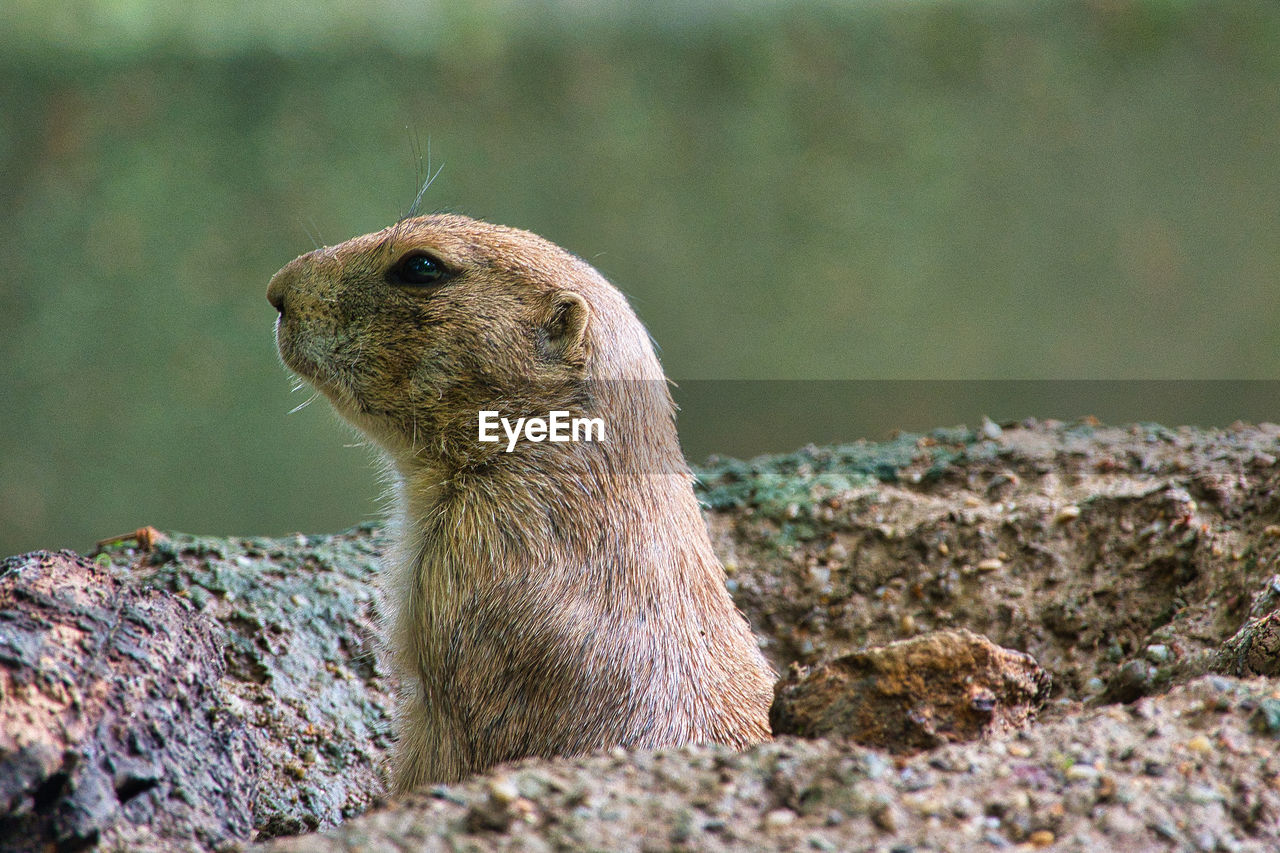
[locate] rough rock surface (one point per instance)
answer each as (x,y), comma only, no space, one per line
(1254,650)
(100,683)
(1129,562)
(912,695)
(1089,548)
(299,645)
(260,648)
(1189,771)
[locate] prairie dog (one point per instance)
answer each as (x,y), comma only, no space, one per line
(544,597)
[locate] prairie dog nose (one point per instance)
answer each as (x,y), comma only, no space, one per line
(278,287)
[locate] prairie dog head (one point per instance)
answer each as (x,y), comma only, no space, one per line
(412,330)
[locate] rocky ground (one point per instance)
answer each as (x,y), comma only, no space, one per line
(1128,573)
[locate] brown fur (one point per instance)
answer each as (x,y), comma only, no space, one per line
(554,600)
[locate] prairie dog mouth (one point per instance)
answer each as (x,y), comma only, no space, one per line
(298,351)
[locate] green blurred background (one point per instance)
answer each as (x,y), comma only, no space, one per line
(788,191)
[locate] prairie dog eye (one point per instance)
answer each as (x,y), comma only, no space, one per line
(417,269)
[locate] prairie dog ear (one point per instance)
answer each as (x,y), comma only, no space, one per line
(564,331)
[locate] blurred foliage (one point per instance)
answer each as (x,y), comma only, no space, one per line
(914,190)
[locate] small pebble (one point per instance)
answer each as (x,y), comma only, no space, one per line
(885,817)
(923,804)
(876,766)
(1041,838)
(1106,787)
(915,780)
(1200,744)
(502,791)
(1267,717)
(1203,795)
(779,818)
(884,813)
(1082,772)
(1067,513)
(1158,653)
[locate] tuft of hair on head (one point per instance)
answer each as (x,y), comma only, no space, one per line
(425,177)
